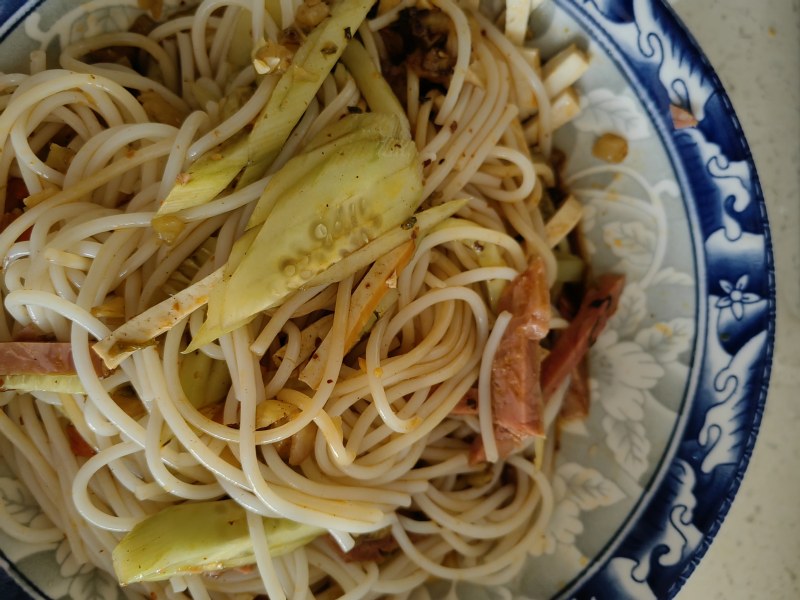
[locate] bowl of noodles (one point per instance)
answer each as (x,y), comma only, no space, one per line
(407,299)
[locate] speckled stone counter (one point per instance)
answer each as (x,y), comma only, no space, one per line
(755,49)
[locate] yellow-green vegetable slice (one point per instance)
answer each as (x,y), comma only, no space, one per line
(203,379)
(252,154)
(29,382)
(297,87)
(571,268)
(491,257)
(375,89)
(207,177)
(414,227)
(318,164)
(330,201)
(196,537)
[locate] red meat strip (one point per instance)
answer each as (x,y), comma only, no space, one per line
(571,346)
(40,358)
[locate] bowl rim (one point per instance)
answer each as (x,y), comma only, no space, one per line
(587,12)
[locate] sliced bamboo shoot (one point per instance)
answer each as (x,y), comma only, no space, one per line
(564,69)
(565,107)
(564,221)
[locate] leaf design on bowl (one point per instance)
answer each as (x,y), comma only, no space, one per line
(603,110)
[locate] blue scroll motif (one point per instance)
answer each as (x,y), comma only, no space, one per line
(691,495)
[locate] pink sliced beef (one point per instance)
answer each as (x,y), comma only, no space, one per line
(572,345)
(521,381)
(40,358)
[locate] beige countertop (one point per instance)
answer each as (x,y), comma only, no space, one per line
(755,49)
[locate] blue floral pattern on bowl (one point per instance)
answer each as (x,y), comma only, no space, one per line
(679,378)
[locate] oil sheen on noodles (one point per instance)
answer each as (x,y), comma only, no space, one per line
(372,448)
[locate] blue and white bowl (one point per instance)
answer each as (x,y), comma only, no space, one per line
(679,379)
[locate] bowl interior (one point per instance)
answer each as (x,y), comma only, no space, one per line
(678,379)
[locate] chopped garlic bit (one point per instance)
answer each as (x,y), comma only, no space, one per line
(611,148)
(310,14)
(159,110)
(112,308)
(274,412)
(271,57)
(59,158)
(168,227)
